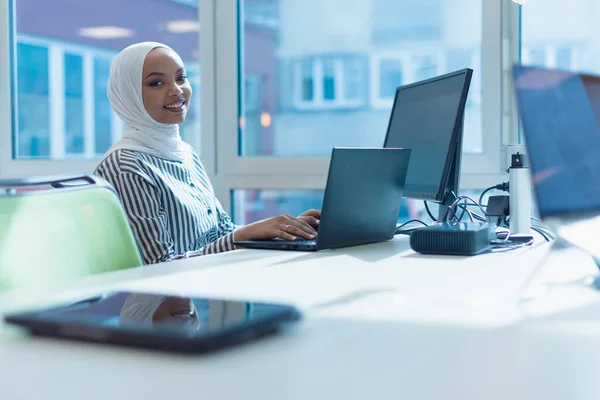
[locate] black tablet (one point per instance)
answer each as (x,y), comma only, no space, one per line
(162,322)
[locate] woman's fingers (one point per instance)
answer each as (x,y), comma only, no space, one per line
(285,232)
(312,213)
(300,223)
(312,221)
(300,228)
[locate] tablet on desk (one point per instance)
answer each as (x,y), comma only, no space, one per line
(162,322)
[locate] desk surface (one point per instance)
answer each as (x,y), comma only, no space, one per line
(381,322)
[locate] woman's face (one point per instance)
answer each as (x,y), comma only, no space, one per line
(166,90)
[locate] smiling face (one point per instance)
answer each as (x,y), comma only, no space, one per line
(166,90)
(176,310)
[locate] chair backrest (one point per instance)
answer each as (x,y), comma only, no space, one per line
(58,228)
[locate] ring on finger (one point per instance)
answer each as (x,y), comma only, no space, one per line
(287,227)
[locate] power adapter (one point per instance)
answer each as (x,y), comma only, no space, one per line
(453,238)
(498,206)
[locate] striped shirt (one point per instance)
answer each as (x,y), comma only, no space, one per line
(171,205)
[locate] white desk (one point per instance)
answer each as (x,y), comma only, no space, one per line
(381,322)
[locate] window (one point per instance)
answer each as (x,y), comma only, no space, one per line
(393,69)
(33,96)
(191,3)
(407,19)
(253,205)
(552,56)
(301,77)
(561,35)
(62,67)
(334,79)
(256,122)
(74,104)
(329,73)
(390,76)
(327,83)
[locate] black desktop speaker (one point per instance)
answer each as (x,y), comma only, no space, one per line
(453,238)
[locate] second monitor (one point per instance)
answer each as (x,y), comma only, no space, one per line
(427,117)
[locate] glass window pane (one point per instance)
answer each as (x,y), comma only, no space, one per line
(250,205)
(32,94)
(254,205)
(331,82)
(352,78)
(564,58)
(328,80)
(561,34)
(73,104)
(102,109)
(307,80)
(390,77)
(425,67)
(62,66)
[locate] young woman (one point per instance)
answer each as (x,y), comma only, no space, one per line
(163,186)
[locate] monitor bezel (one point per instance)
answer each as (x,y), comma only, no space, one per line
(453,156)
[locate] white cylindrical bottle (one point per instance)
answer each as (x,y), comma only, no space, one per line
(520,196)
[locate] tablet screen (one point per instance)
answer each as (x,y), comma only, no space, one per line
(172,315)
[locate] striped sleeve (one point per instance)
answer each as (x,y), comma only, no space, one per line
(148,220)
(226,226)
(140,199)
(221,245)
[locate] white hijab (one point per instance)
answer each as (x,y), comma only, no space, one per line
(140,308)
(141,132)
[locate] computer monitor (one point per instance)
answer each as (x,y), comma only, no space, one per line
(427,117)
(560,117)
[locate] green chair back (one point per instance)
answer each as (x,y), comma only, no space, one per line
(61,228)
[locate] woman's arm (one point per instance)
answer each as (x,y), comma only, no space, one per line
(148,220)
(224,220)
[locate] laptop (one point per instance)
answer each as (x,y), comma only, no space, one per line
(560,116)
(361,204)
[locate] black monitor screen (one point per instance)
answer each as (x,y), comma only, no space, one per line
(560,113)
(426,118)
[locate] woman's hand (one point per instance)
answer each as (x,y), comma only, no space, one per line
(284,227)
(312,217)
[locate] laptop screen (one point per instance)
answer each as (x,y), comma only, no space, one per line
(560,114)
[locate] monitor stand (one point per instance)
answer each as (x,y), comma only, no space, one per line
(453,183)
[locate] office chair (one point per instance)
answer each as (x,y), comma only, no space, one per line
(58,228)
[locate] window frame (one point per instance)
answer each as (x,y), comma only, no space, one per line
(69,164)
(318,102)
(257,172)
(57,51)
(551,55)
(220,104)
(407,63)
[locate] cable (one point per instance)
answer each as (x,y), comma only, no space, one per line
(434,219)
(483,194)
(507,245)
(447,192)
(453,205)
(502,249)
(542,232)
(411,221)
(406,231)
(464,209)
(474,214)
(504,186)
(505,234)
